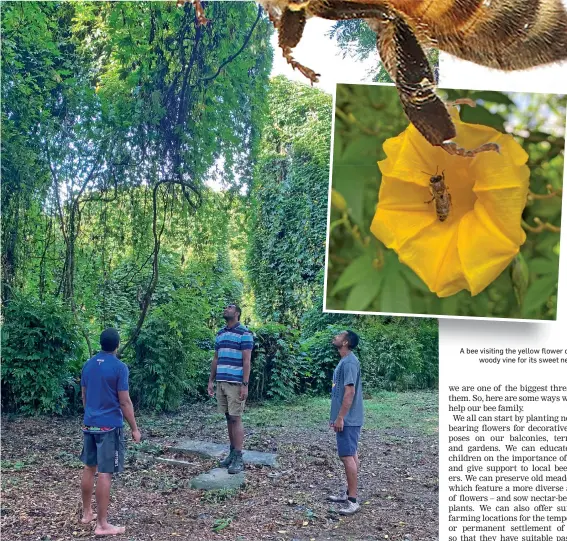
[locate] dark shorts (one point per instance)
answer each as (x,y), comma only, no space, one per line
(347,440)
(104,450)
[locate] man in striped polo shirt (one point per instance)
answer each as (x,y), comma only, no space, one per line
(231,370)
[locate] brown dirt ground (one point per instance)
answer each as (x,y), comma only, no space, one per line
(398,492)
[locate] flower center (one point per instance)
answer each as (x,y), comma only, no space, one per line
(460,183)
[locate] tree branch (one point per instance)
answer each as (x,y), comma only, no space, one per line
(232,57)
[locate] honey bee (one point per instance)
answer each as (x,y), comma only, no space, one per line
(440,194)
(501,34)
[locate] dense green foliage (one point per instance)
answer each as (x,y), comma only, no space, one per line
(39,341)
(275,371)
(152,174)
(289,202)
(364,275)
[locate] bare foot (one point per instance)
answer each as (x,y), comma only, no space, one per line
(109,529)
(88,517)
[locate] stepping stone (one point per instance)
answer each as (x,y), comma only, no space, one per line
(217,479)
(216,450)
(173,462)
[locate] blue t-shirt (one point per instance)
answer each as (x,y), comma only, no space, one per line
(103,376)
(230,342)
(346,373)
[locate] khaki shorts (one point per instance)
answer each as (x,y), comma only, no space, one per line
(228,398)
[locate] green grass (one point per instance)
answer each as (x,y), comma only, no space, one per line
(416,411)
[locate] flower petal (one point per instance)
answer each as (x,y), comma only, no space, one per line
(396,195)
(483,249)
(483,230)
(433,256)
(410,158)
(395,227)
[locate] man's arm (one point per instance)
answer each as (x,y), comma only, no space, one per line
(128,411)
(213,374)
(350,374)
(84,396)
(246,357)
(345,407)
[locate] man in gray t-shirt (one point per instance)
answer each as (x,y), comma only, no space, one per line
(347,415)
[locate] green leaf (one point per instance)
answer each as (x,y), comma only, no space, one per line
(364,292)
(492,96)
(538,294)
(357,271)
(543,265)
(350,181)
(480,115)
(395,296)
(413,279)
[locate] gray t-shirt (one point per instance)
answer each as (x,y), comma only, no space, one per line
(347,372)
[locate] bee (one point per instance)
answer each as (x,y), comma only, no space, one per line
(501,34)
(440,194)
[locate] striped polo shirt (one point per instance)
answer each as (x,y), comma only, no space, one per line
(229,345)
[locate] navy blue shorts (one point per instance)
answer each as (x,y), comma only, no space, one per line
(347,440)
(105,450)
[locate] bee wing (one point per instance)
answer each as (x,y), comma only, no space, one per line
(405,61)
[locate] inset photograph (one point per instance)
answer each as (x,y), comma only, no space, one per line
(468,228)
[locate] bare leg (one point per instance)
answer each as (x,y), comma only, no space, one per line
(103,527)
(87,486)
(237,432)
(229,426)
(351,470)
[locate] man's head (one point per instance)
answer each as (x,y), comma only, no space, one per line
(232,312)
(109,340)
(346,339)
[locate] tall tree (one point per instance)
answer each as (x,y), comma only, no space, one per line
(140,96)
(289,202)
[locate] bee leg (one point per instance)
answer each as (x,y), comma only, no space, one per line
(199,11)
(433,198)
(343,10)
(462,101)
(407,64)
(290,29)
(455,150)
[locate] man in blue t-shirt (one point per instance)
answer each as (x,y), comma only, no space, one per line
(104,385)
(347,416)
(231,370)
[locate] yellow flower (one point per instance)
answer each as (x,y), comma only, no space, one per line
(482,233)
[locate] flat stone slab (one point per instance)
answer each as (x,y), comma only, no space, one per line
(173,462)
(217,479)
(217,450)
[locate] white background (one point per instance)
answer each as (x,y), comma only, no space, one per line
(455,334)
(319,53)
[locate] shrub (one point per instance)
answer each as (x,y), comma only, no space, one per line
(38,341)
(319,360)
(315,320)
(172,353)
(274,372)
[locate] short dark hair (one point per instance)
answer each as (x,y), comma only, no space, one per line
(236,309)
(352,338)
(109,339)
